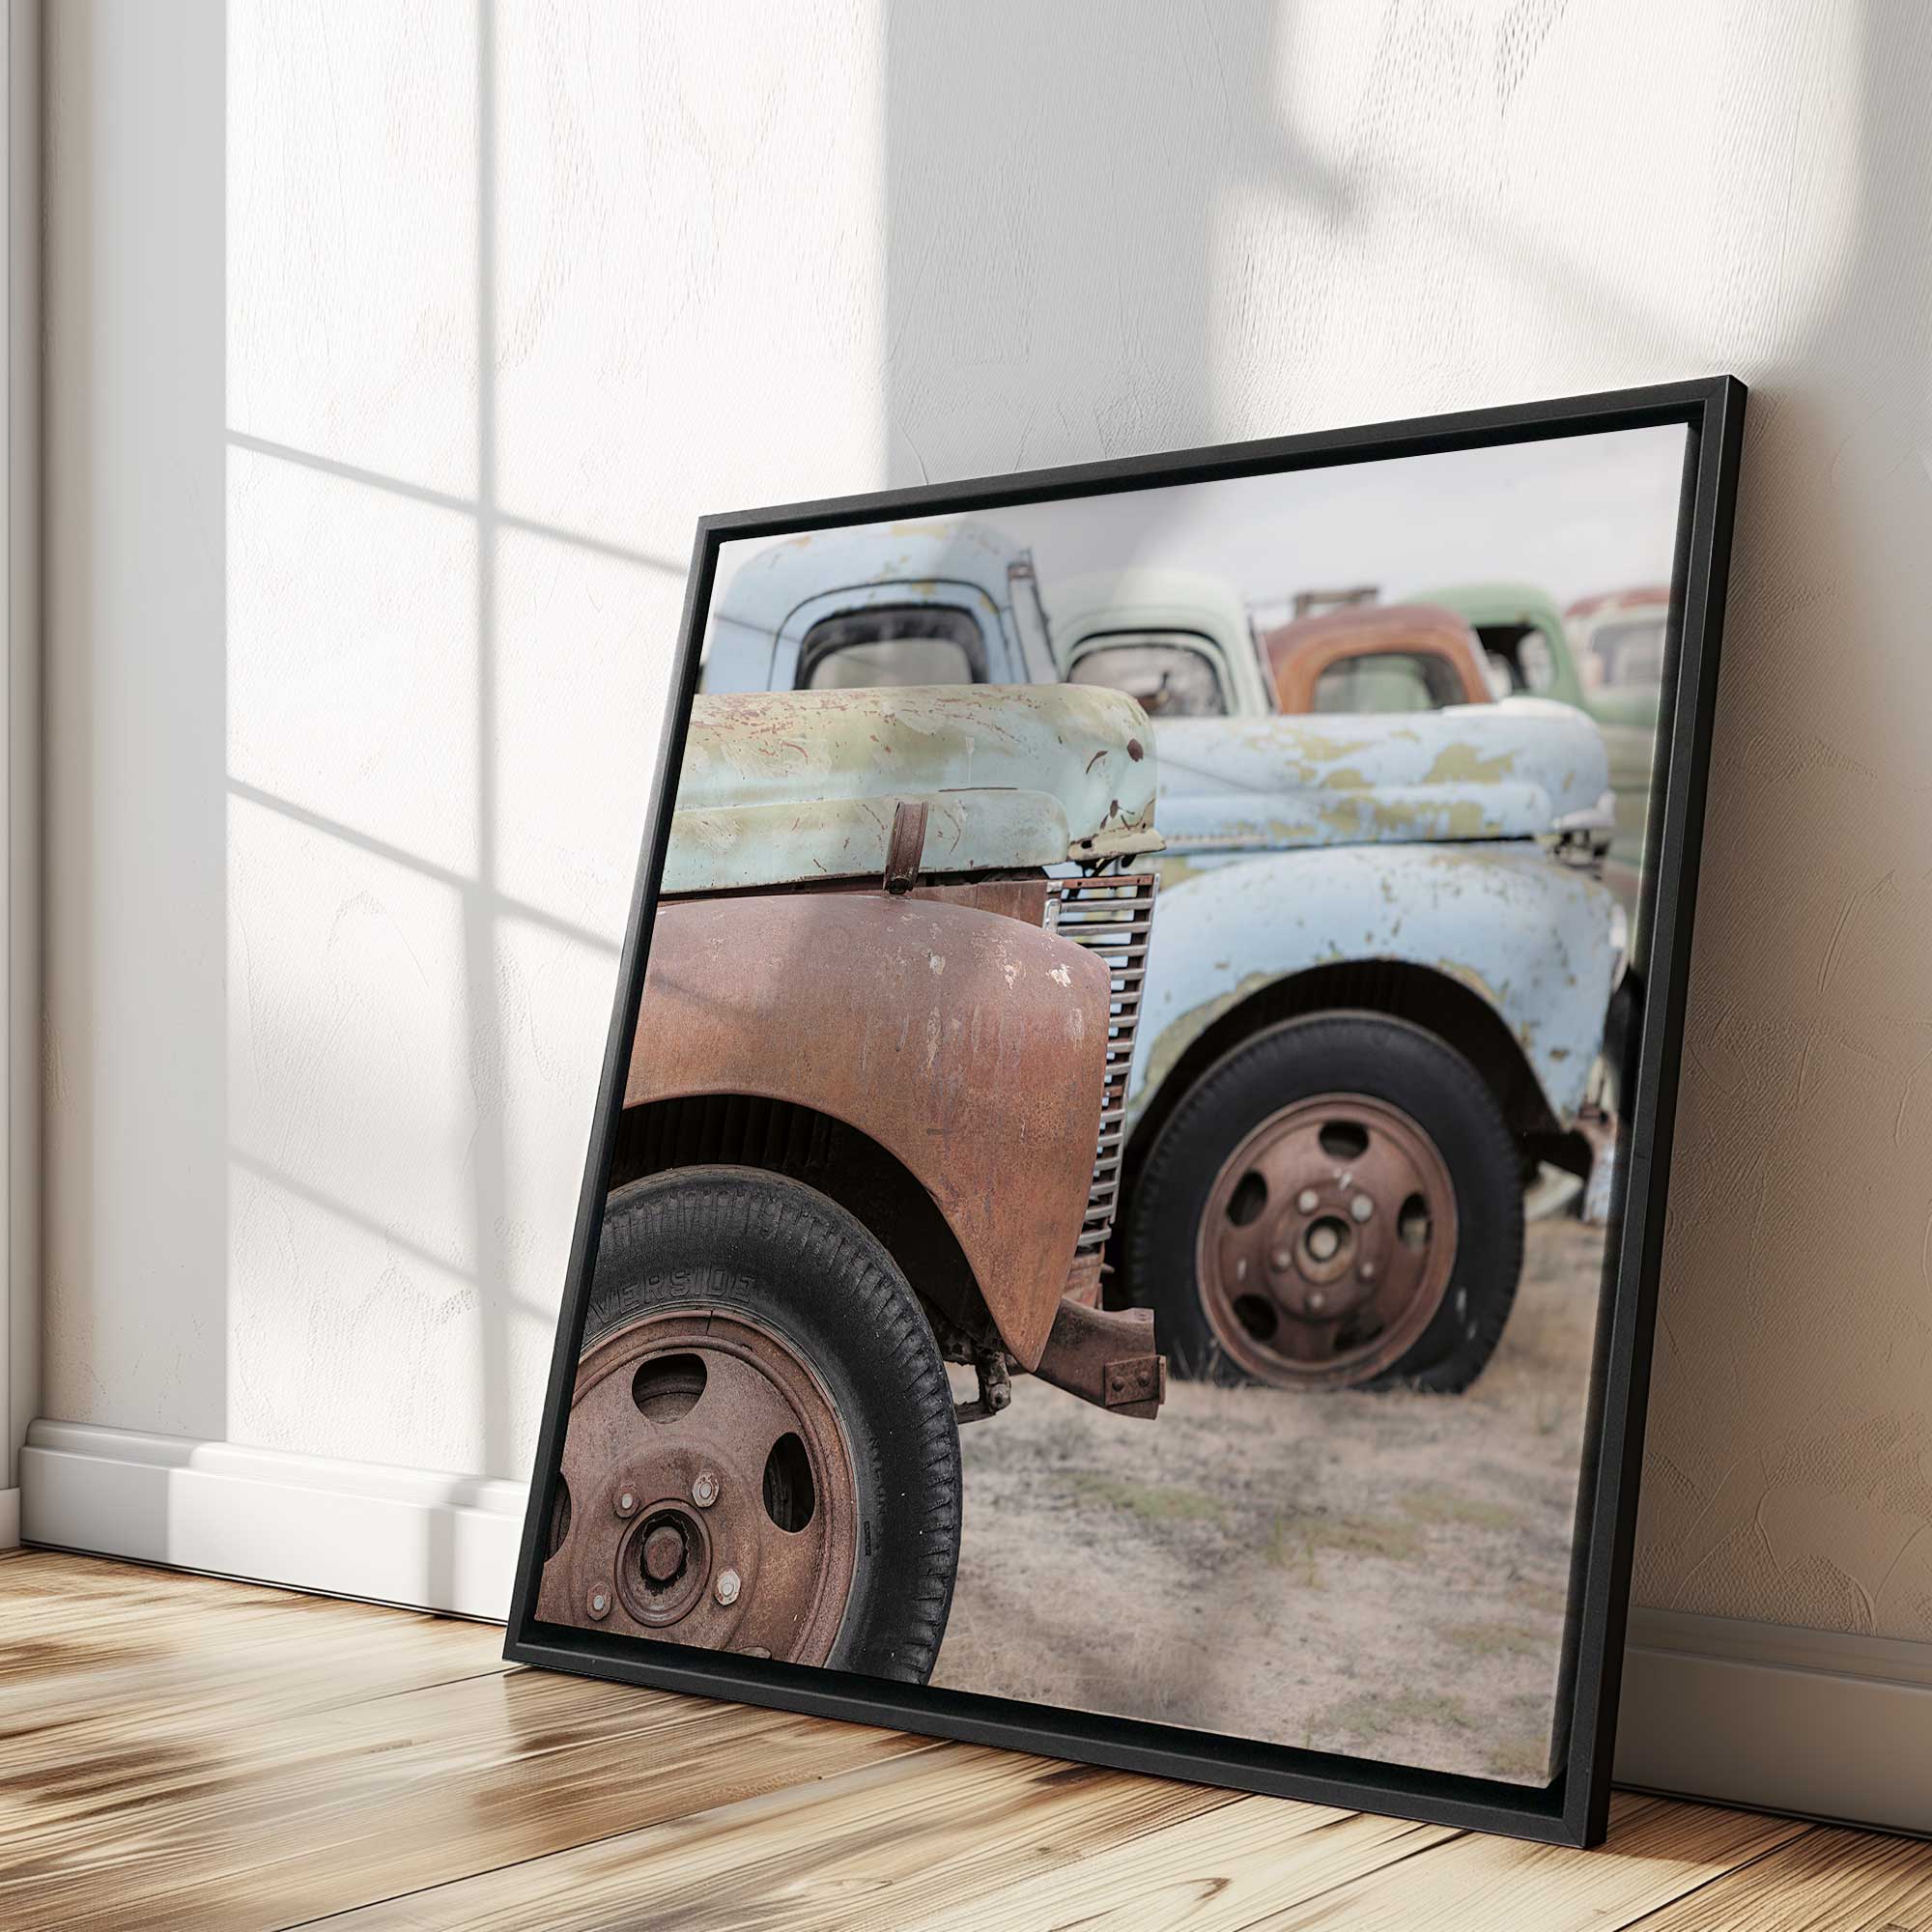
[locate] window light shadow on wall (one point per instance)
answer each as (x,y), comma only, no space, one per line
(1251,218)
(443,703)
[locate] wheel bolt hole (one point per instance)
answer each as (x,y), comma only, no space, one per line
(1344,1140)
(790,1498)
(1249,1198)
(666,1387)
(1412,1223)
(560,1517)
(1357,1334)
(1257,1315)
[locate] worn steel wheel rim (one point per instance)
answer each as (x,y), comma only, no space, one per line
(708,1494)
(1326,1243)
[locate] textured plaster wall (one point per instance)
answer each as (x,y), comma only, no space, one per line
(392,352)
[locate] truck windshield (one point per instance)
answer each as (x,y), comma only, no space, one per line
(897,645)
(1170,678)
(1380,681)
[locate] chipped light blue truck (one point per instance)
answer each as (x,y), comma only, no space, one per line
(1539,648)
(1373,998)
(1185,646)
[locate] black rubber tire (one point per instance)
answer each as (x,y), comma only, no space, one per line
(738,1237)
(1363,1053)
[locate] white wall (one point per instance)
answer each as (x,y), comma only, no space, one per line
(20,1300)
(392,352)
(358,640)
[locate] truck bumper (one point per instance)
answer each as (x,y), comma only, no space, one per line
(1106,1356)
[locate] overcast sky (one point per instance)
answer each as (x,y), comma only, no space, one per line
(1583,514)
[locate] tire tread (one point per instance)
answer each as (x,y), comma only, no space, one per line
(1441,1362)
(748,1210)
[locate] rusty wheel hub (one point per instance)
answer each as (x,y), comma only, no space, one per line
(708,1494)
(1327,1243)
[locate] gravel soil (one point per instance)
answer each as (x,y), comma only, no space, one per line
(1383,1575)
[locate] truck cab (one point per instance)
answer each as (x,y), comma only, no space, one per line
(945,603)
(1177,640)
(1523,635)
(1375,658)
(1620,641)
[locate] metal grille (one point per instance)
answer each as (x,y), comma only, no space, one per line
(1110,915)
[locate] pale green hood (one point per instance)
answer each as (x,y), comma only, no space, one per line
(789,787)
(1513,770)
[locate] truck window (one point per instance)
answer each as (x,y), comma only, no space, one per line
(1168,678)
(891,645)
(1388,681)
(1523,652)
(1629,652)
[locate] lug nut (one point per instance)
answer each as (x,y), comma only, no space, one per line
(1308,1200)
(627,1503)
(1280,1260)
(664,1555)
(1317,1302)
(704,1491)
(725,1588)
(1367,1270)
(1361,1206)
(600,1603)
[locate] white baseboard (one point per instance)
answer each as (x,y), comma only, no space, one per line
(413,1537)
(1779,1719)
(1751,1714)
(10,1519)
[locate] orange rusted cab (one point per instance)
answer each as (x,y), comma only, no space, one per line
(1374,657)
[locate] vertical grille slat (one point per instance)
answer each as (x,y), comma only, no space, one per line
(1111,917)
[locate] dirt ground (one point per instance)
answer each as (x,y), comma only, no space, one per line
(1378,1575)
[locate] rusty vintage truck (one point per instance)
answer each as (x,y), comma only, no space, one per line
(1373,1011)
(872,1127)
(1374,658)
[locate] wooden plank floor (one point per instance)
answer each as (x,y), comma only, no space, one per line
(180,1752)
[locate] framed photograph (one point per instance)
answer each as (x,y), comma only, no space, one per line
(1124,1203)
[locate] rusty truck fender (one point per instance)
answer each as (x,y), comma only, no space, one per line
(970,1046)
(1532,938)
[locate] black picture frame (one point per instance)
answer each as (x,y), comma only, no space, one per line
(1573,1810)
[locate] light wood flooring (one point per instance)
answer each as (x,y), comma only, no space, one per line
(177,1752)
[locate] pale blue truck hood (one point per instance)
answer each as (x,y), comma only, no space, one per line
(1515,770)
(794,787)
